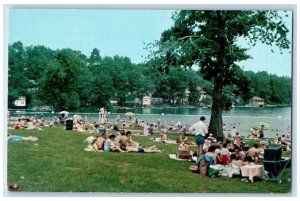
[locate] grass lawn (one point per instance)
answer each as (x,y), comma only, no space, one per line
(58,163)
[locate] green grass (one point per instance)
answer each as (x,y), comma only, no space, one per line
(58,163)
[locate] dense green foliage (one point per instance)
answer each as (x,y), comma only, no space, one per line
(58,163)
(67,79)
(270,87)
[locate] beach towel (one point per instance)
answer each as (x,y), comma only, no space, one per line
(89,140)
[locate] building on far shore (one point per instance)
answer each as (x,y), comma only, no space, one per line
(20,102)
(147,100)
(256,102)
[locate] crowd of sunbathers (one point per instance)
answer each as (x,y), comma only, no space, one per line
(31,123)
(121,143)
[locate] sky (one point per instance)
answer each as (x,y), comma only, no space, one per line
(119,32)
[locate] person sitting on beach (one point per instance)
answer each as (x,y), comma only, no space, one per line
(276,139)
(123,123)
(180,134)
(95,128)
(261,132)
(217,158)
(102,130)
(213,154)
(146,127)
(254,133)
(18,125)
(184,130)
(150,129)
(123,140)
(130,140)
(235,166)
(236,161)
(224,154)
(249,135)
(284,141)
(30,126)
(254,153)
(240,155)
(211,138)
(206,145)
(184,145)
(40,122)
(111,145)
(98,143)
(230,146)
(163,133)
(262,146)
(78,127)
(237,139)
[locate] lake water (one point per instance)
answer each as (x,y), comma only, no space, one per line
(278,118)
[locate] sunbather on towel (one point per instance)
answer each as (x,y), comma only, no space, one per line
(152,149)
(18,138)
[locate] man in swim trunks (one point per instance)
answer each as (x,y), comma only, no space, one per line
(200,130)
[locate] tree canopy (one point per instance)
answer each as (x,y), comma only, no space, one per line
(208,39)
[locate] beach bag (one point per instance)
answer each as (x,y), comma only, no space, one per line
(213,172)
(183,154)
(203,167)
(205,162)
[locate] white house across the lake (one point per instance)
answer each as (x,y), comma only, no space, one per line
(20,102)
(146,100)
(256,102)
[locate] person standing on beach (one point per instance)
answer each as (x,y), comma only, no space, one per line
(261,132)
(200,130)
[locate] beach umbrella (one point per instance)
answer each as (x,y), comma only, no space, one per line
(63,112)
(258,125)
(129,114)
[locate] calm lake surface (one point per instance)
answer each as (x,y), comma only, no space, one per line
(278,118)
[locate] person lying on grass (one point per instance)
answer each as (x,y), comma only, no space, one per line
(152,149)
(14,137)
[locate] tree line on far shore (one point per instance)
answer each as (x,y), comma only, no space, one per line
(67,79)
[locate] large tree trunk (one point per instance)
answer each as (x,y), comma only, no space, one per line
(216,122)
